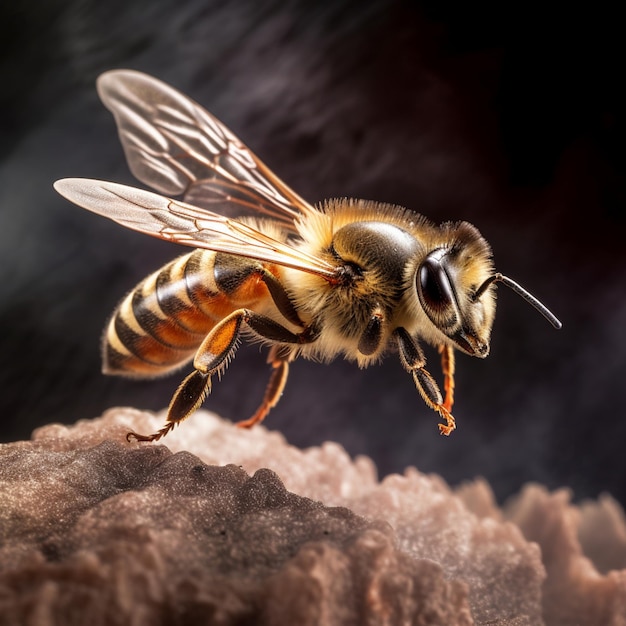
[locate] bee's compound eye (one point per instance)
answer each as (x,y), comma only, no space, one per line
(434,285)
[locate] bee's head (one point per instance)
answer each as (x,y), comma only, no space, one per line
(456,287)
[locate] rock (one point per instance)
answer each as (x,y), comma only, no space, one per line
(228,526)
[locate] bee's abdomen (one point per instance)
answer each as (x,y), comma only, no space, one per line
(160,324)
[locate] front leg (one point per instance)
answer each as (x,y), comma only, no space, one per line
(413,360)
(447,367)
(213,356)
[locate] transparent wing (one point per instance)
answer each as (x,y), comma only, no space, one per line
(176,147)
(182,223)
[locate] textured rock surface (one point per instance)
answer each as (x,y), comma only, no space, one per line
(96,530)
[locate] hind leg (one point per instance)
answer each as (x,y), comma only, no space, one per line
(212,358)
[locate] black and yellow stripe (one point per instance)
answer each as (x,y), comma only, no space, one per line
(159,325)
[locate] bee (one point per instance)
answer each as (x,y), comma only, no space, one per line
(348,277)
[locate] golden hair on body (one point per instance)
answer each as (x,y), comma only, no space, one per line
(350,277)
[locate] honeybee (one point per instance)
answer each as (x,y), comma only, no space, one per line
(347,277)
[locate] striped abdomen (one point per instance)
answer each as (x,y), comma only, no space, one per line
(160,324)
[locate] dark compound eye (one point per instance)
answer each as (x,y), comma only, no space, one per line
(434,285)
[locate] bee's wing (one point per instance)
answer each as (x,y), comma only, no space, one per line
(176,147)
(182,223)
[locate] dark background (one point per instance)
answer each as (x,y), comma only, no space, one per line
(510,118)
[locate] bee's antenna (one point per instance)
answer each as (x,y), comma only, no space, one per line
(520,291)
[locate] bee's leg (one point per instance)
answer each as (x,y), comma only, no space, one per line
(413,360)
(236,277)
(281,298)
(212,358)
(274,389)
(447,366)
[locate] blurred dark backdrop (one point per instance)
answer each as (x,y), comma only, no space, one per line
(511,117)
